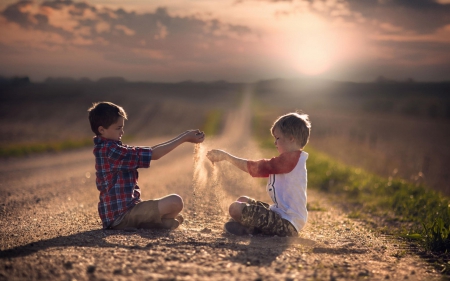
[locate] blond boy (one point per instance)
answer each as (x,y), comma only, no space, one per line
(286,184)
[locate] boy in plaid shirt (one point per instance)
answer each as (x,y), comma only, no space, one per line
(116,165)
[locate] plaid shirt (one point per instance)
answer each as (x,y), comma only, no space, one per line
(116,167)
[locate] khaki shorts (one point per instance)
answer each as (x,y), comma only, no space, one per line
(257,214)
(144,214)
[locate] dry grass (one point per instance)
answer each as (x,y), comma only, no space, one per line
(51,117)
(392,146)
(381,132)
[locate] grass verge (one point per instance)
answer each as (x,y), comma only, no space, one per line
(212,126)
(23,149)
(17,150)
(426,211)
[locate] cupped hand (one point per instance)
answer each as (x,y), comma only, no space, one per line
(216,155)
(195,136)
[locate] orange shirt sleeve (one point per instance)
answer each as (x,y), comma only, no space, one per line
(282,164)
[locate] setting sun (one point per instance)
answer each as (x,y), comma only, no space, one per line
(178,40)
(309,44)
(312,57)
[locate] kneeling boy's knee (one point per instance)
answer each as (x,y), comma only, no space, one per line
(176,202)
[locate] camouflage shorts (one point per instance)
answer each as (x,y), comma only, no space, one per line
(257,214)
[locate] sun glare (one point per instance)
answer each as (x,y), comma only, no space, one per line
(312,57)
(309,45)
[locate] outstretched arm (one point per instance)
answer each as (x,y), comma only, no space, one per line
(193,136)
(217,155)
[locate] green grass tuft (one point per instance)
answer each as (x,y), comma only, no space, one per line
(17,150)
(427,210)
(315,207)
(213,123)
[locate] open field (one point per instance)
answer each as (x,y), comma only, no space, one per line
(51,229)
(399,130)
(46,112)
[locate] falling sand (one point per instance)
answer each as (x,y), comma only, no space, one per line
(221,183)
(206,186)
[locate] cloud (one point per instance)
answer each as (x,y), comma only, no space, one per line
(242,41)
(403,32)
(420,16)
(20,13)
(149,36)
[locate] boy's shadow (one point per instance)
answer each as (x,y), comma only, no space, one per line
(250,250)
(92,238)
(261,250)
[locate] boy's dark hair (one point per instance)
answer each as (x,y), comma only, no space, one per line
(295,124)
(104,114)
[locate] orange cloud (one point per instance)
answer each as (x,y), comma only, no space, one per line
(125,30)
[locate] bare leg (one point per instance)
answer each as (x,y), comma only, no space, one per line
(170,206)
(236,210)
(243,199)
(237,206)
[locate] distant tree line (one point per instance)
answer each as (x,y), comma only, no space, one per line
(16,80)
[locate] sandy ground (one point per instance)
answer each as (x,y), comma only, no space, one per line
(50,228)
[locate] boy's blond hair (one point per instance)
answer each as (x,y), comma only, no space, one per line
(295,124)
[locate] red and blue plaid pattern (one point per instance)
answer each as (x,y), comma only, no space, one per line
(116,167)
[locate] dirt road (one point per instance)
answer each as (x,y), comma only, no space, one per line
(50,228)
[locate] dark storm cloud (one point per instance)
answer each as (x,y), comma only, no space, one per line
(166,35)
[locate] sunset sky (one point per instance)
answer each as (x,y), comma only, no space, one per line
(233,40)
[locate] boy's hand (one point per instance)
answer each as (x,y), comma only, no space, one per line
(216,155)
(194,136)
